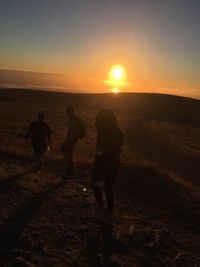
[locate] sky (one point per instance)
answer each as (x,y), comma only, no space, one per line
(157,41)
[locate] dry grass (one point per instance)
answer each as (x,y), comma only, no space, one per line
(47,221)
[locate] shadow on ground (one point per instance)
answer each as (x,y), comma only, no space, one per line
(13,227)
(145,146)
(156,196)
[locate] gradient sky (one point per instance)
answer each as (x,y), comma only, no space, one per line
(157,41)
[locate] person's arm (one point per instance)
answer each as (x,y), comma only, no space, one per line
(48,133)
(121,138)
(99,151)
(29,132)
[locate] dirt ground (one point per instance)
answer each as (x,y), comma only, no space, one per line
(46,220)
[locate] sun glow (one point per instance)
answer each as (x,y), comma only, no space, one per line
(117,73)
(117,78)
(115,90)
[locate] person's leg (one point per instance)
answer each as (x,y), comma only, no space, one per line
(39,149)
(37,160)
(97,175)
(97,194)
(40,160)
(69,161)
(108,183)
(68,154)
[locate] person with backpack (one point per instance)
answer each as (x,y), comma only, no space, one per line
(110,140)
(40,134)
(76,131)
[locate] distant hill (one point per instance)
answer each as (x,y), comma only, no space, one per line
(138,105)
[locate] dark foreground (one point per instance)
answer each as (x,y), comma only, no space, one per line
(48,221)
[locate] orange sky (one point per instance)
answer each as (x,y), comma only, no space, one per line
(156,41)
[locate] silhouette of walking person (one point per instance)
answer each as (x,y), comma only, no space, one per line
(110,139)
(40,134)
(76,131)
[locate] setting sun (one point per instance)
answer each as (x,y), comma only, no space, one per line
(117,78)
(117,73)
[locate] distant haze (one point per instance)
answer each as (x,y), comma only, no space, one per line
(47,81)
(73,83)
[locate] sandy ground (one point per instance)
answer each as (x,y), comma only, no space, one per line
(48,221)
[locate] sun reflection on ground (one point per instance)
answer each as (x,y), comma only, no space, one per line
(115,90)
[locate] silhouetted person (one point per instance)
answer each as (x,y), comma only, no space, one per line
(110,139)
(76,131)
(40,134)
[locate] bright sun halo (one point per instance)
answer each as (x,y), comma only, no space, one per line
(117,73)
(117,78)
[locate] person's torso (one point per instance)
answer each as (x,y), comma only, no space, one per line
(73,128)
(39,130)
(110,143)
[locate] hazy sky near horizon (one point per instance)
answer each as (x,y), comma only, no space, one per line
(158,41)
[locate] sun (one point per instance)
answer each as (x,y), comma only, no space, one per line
(117,78)
(117,73)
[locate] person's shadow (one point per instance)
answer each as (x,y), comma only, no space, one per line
(13,227)
(6,183)
(100,248)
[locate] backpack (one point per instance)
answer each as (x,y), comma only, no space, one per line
(81,131)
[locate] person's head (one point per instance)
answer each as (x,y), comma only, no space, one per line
(106,121)
(40,116)
(70,111)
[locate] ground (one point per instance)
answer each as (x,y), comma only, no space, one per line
(50,221)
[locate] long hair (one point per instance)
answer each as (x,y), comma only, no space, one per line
(106,121)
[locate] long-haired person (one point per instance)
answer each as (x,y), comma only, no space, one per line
(110,140)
